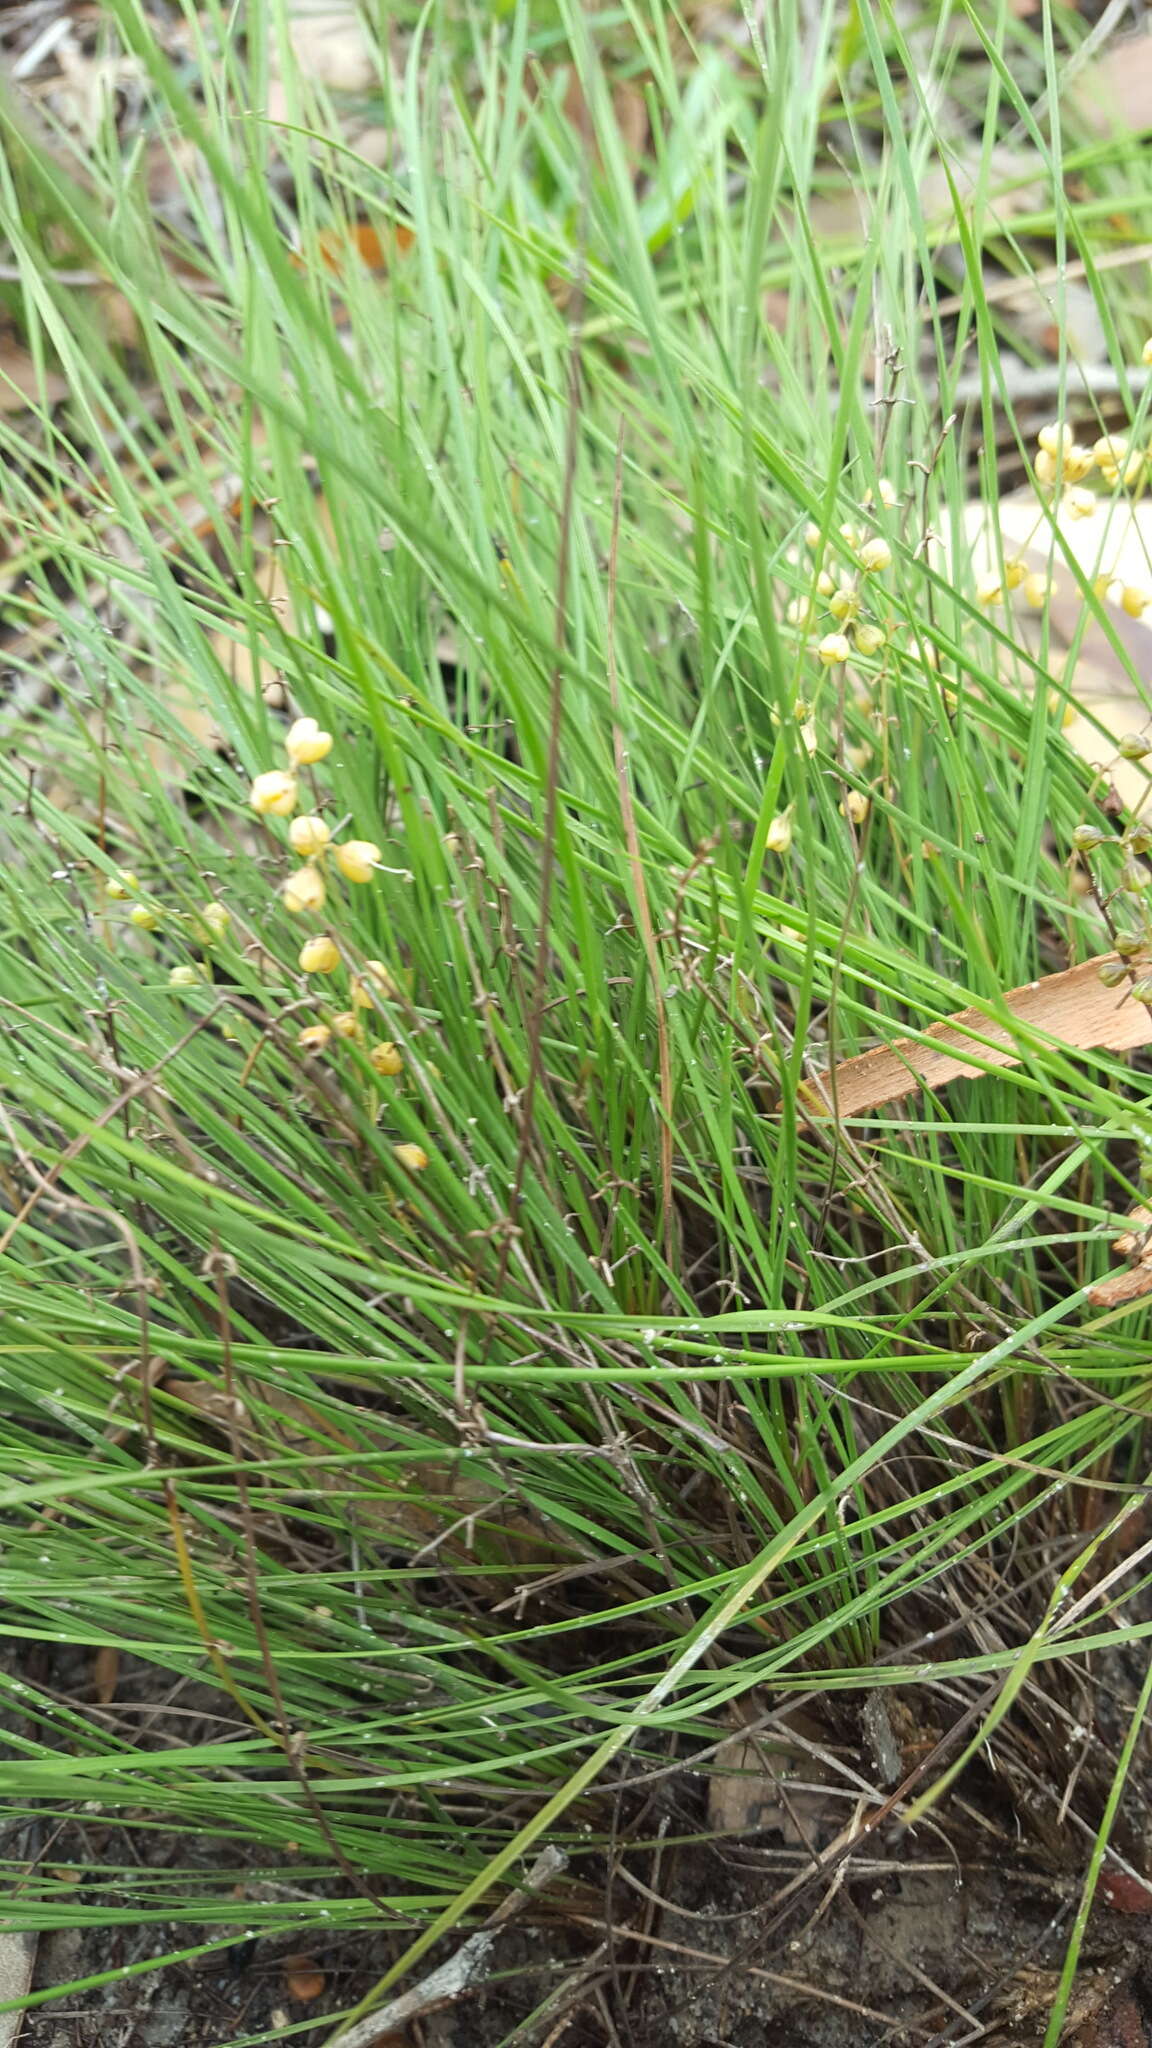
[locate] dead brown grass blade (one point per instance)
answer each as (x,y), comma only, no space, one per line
(1074,1008)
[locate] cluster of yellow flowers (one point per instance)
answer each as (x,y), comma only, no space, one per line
(844,591)
(209,925)
(1061,465)
(275,793)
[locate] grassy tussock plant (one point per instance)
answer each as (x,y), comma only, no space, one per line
(434,1343)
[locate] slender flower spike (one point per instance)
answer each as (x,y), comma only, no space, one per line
(304,891)
(833,648)
(346,1024)
(385,1058)
(216,919)
(779,837)
(305,743)
(319,956)
(121,885)
(273,794)
(875,555)
(413,1157)
(314,1037)
(357,859)
(144,919)
(308,837)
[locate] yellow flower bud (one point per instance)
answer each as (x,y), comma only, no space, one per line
(1038,589)
(346,1024)
(850,534)
(385,1058)
(1014,572)
(357,859)
(844,603)
(887,492)
(314,1037)
(186,977)
(120,885)
(1054,439)
(825,584)
(375,978)
(1101,585)
(1078,502)
(1146,353)
(308,837)
(779,838)
(143,918)
(1078,460)
(305,742)
(989,591)
(319,956)
(273,794)
(875,555)
(1045,467)
(413,1157)
(1135,600)
(797,612)
(1111,452)
(869,638)
(304,891)
(216,919)
(812,535)
(856,806)
(833,648)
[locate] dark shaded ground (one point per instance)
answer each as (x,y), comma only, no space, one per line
(948,1934)
(915,1957)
